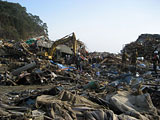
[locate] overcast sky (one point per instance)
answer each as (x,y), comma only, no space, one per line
(103,25)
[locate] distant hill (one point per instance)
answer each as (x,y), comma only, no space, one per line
(16,23)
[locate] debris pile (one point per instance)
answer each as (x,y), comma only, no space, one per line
(45,80)
(145,45)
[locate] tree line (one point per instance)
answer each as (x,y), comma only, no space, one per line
(17,24)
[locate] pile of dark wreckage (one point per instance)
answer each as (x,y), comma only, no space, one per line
(36,88)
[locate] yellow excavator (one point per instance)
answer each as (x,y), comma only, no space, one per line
(71,38)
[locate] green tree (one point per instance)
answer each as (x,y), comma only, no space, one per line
(16,23)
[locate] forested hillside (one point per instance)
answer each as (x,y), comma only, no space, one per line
(16,23)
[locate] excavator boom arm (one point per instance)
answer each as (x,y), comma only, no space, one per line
(70,37)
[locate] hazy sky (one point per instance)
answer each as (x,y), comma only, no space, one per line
(103,25)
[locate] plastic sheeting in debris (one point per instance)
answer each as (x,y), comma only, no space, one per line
(134,105)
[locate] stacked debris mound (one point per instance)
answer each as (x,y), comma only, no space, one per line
(21,63)
(49,102)
(74,84)
(145,45)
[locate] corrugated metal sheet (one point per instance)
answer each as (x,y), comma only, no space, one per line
(45,44)
(64,49)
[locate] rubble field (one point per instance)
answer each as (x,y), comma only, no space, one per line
(102,86)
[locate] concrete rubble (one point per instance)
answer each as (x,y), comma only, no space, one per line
(34,87)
